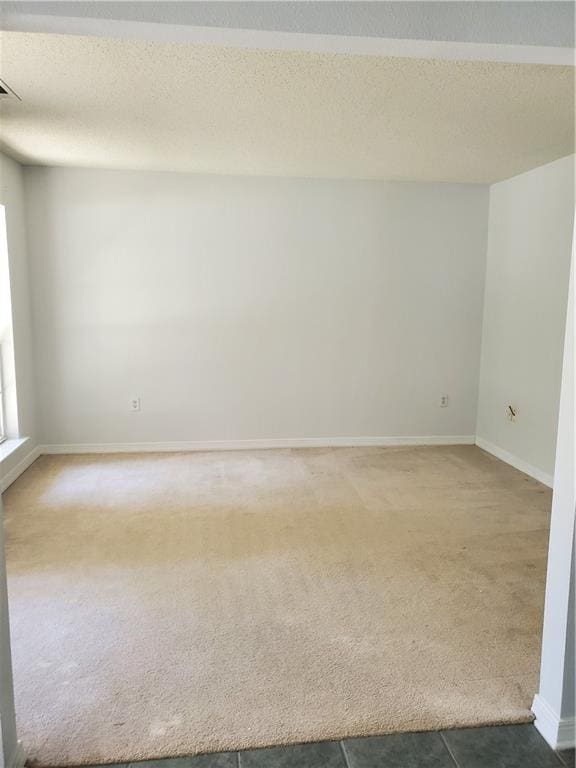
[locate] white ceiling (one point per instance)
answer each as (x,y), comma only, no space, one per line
(102,102)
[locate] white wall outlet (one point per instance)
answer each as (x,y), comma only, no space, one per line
(443,401)
(135,405)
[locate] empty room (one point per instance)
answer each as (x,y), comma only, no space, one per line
(287,395)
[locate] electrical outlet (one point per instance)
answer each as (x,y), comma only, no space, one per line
(135,405)
(443,401)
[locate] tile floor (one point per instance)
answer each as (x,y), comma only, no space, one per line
(508,746)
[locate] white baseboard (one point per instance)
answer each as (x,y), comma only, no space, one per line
(514,461)
(559,733)
(259,444)
(18,757)
(14,473)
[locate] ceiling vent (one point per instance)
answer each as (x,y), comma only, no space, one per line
(7,93)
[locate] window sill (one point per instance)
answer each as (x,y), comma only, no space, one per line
(11,445)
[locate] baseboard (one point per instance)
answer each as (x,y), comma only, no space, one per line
(264,443)
(559,733)
(515,462)
(14,473)
(18,757)
(259,444)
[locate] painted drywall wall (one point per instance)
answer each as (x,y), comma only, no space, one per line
(529,244)
(528,23)
(23,412)
(8,370)
(8,739)
(12,197)
(554,704)
(16,302)
(250,308)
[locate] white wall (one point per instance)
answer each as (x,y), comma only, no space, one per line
(8,738)
(12,197)
(245,308)
(529,245)
(22,417)
(22,420)
(8,372)
(554,704)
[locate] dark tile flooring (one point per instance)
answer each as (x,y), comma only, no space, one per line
(507,746)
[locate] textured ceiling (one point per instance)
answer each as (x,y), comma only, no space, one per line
(132,104)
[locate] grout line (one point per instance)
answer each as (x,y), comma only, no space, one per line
(560,758)
(238,759)
(456,763)
(344,754)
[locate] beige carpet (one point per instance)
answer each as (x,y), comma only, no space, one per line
(177,603)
